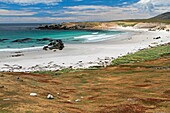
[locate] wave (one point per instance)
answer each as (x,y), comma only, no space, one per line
(95,33)
(96,38)
(26,40)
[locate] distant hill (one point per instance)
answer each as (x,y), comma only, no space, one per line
(164,16)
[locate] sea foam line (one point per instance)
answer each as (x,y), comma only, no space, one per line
(97,38)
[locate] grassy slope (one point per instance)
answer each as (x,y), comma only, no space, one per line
(124,23)
(134,87)
(144,55)
(148,21)
(162,18)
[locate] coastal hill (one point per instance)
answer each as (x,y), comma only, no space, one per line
(164,16)
(160,20)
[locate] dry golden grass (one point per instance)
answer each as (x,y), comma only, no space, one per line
(133,88)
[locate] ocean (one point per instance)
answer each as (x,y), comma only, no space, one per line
(9,33)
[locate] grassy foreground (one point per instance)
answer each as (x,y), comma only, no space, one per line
(132,87)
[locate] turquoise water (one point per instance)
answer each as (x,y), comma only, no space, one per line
(12,32)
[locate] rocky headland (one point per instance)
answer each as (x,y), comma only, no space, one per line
(78,26)
(151,26)
(160,22)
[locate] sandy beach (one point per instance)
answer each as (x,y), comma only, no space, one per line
(82,55)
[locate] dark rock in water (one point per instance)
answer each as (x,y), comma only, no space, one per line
(22,40)
(55,44)
(43,27)
(1,40)
(45,39)
(76,40)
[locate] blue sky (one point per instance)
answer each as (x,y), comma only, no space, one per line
(54,11)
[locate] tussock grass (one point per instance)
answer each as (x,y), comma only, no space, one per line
(126,24)
(143,55)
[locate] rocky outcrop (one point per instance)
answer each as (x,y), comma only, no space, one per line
(45,39)
(62,27)
(53,45)
(22,40)
(78,26)
(1,40)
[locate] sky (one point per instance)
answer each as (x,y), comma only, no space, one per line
(57,11)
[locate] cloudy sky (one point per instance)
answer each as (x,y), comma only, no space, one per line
(54,11)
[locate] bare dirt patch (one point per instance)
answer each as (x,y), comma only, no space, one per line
(133,88)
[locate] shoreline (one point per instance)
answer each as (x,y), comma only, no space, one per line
(82,55)
(87,36)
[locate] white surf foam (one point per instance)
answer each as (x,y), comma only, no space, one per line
(96,38)
(95,33)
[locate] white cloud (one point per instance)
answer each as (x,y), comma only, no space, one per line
(4,12)
(145,5)
(86,7)
(124,3)
(29,2)
(84,10)
(34,19)
(103,13)
(141,9)
(153,6)
(155,2)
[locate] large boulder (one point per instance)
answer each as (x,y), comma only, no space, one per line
(55,44)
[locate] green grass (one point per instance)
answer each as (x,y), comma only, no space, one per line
(57,73)
(143,55)
(140,56)
(28,112)
(127,24)
(5,111)
(46,72)
(148,21)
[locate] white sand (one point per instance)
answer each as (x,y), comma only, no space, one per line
(82,55)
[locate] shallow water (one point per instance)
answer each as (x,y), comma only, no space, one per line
(9,33)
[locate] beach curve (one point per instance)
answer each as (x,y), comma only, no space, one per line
(82,55)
